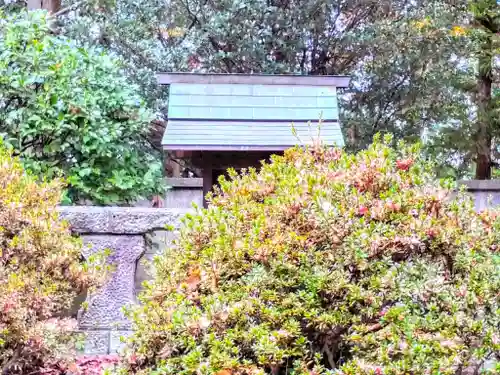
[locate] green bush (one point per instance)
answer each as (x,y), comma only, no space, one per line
(69,110)
(40,273)
(326,263)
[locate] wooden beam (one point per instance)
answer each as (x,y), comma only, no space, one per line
(184,182)
(480,185)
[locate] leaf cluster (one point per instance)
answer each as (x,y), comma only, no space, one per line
(68,110)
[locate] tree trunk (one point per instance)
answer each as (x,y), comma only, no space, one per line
(484,139)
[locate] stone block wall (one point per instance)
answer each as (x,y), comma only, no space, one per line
(126,233)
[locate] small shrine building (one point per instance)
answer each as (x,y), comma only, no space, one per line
(221,121)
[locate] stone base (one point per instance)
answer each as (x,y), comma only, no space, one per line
(96,342)
(105,342)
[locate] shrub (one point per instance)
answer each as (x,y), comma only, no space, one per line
(40,273)
(326,263)
(69,110)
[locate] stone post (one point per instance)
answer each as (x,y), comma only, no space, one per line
(122,231)
(184,192)
(486,193)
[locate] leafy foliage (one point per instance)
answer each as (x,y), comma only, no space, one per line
(471,33)
(68,110)
(414,64)
(326,263)
(311,37)
(413,76)
(40,273)
(409,83)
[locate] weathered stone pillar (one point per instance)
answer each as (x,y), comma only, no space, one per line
(122,231)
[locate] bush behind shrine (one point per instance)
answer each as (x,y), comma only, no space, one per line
(326,263)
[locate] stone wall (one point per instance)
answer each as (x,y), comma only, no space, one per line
(124,231)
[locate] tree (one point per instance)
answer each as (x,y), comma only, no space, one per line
(325,262)
(406,83)
(68,110)
(226,36)
(486,22)
(476,23)
(414,63)
(400,80)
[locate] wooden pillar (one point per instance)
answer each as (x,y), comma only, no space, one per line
(207,183)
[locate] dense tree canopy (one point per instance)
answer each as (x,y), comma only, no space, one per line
(421,69)
(415,64)
(69,110)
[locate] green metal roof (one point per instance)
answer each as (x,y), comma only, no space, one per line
(227,114)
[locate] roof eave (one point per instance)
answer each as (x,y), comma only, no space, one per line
(254,79)
(190,147)
(217,148)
